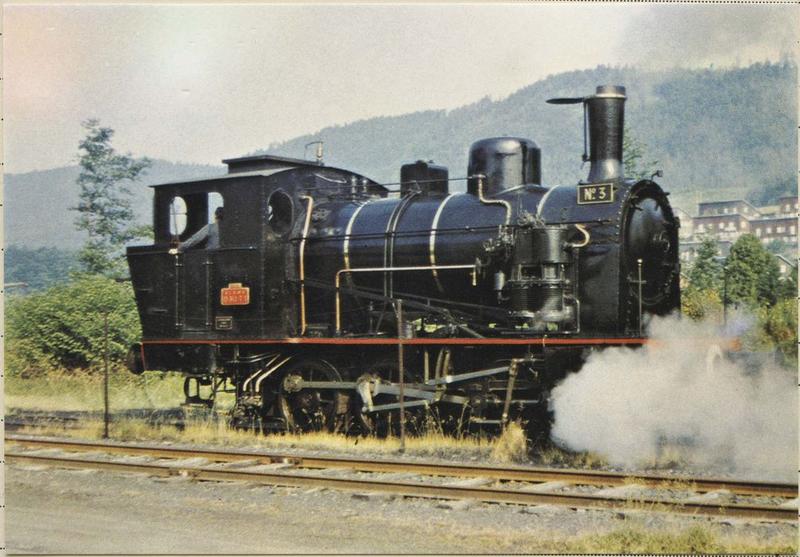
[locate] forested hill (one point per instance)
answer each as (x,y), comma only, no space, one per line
(717,132)
(711,129)
(37,204)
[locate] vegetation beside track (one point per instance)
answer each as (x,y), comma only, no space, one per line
(208,433)
(639,539)
(693,540)
(82,392)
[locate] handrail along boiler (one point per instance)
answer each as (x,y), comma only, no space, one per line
(504,287)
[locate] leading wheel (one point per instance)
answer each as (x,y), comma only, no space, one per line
(308,408)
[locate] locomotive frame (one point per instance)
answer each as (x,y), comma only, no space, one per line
(322,275)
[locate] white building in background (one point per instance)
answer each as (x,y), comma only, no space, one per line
(725,221)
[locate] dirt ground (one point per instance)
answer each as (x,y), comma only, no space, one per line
(52,510)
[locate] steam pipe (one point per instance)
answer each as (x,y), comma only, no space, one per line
(302,271)
(586,237)
(485,201)
(254,374)
(267,373)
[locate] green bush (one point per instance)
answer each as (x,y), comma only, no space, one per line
(699,304)
(63,327)
(777,330)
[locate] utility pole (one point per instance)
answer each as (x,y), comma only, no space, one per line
(105,375)
(401,371)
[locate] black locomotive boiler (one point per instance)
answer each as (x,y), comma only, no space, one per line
(321,276)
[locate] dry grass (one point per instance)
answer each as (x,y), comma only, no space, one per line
(511,445)
(693,540)
(83,391)
(211,433)
(630,539)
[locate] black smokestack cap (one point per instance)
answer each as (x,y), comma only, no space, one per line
(606,114)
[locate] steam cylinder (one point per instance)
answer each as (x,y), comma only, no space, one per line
(537,284)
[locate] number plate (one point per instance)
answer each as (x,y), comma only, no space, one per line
(234,295)
(595,193)
(223,323)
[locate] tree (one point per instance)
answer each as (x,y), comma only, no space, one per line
(40,267)
(787,289)
(780,247)
(698,304)
(753,273)
(706,272)
(634,153)
(104,207)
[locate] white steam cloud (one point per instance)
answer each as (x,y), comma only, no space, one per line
(627,405)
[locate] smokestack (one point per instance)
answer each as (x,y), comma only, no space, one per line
(606,122)
(605,112)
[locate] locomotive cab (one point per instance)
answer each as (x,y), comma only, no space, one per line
(239,286)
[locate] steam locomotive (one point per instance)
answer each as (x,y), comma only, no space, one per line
(332,300)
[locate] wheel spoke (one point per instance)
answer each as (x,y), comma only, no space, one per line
(309,409)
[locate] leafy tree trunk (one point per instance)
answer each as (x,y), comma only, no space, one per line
(634,153)
(104,207)
(753,273)
(706,271)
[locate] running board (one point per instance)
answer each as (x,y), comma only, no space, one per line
(395,406)
(447,379)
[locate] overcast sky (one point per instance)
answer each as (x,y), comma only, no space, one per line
(200,83)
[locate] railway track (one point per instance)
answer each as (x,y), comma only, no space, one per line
(518,485)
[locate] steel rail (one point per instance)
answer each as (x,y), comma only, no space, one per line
(515,473)
(411,489)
